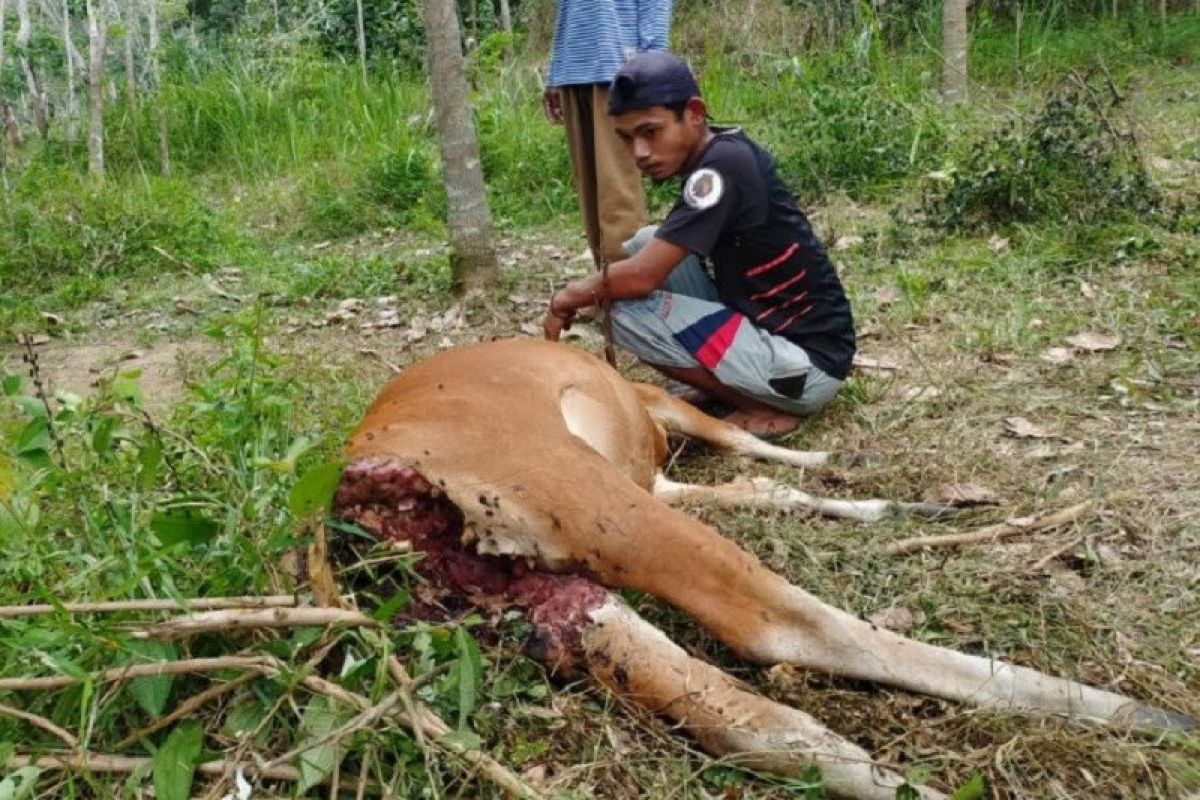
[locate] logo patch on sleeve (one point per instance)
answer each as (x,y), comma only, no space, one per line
(703,189)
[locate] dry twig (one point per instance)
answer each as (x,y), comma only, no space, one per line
(246,618)
(991,533)
(40,722)
(188,604)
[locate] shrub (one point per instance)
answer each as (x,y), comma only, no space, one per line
(1075,158)
(62,224)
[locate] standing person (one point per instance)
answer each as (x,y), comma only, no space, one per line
(592,39)
(770,332)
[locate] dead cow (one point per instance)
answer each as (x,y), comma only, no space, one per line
(528,473)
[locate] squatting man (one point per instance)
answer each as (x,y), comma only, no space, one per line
(768,331)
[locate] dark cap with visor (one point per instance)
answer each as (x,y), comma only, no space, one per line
(651,78)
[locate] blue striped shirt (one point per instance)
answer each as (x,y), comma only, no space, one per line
(592,38)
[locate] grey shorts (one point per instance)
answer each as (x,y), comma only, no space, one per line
(684,324)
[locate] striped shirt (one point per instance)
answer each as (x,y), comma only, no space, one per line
(592,38)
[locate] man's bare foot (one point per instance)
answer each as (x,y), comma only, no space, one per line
(764,423)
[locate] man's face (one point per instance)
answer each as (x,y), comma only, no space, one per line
(661,143)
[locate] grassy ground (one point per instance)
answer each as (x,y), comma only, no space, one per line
(222,380)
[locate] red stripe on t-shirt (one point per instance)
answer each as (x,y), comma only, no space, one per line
(761,268)
(795,316)
(780,306)
(777,289)
(714,348)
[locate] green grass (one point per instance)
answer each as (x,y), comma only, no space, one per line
(315,188)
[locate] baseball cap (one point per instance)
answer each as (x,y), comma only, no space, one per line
(651,78)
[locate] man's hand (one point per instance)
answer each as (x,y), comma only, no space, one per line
(558,317)
(552,105)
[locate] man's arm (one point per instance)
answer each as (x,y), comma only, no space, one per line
(629,279)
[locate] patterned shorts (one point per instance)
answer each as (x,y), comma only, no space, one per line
(684,324)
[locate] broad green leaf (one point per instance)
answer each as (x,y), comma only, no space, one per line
(102,434)
(315,489)
(125,387)
(34,436)
(469,671)
(19,784)
(8,478)
(150,460)
(153,692)
(316,764)
(31,406)
(12,384)
(973,789)
(175,761)
(182,525)
(394,603)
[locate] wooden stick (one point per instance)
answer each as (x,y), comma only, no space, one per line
(189,604)
(40,722)
(246,618)
(144,671)
(101,762)
(989,534)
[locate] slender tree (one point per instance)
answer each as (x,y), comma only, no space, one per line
(469,220)
(506,26)
(164,149)
(37,94)
(128,15)
(97,28)
(11,136)
(954,51)
(69,62)
(362,38)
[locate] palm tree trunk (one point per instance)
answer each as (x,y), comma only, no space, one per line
(97,35)
(164,149)
(469,220)
(954,51)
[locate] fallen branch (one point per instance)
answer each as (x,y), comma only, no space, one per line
(188,604)
(248,618)
(991,533)
(144,671)
(40,722)
(102,762)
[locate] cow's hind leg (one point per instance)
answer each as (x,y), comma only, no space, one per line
(768,494)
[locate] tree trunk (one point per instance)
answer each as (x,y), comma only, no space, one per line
(506,25)
(164,150)
(97,33)
(37,95)
(69,64)
(362,39)
(129,12)
(11,136)
(954,51)
(473,261)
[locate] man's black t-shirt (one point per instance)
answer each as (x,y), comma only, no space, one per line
(767,262)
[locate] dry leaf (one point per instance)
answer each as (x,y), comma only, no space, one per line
(1059,355)
(1024,429)
(351,305)
(912,394)
(531,328)
(998,244)
(847,241)
(1087,290)
(894,618)
(966,494)
(885,296)
(1094,342)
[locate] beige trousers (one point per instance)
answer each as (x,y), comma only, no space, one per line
(611,198)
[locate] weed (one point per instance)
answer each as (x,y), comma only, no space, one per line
(1075,159)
